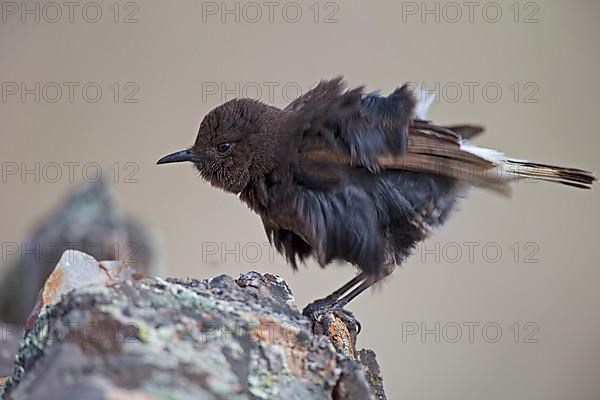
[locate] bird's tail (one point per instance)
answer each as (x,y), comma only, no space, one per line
(550,173)
(513,169)
(493,170)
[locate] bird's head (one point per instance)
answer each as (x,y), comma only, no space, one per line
(232,144)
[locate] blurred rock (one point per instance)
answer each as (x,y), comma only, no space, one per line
(221,338)
(10,337)
(90,220)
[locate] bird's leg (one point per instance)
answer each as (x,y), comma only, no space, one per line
(364,285)
(332,320)
(337,294)
(329,316)
(333,299)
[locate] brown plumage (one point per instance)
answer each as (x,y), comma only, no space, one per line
(343,175)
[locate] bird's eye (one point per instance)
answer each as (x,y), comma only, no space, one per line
(223,147)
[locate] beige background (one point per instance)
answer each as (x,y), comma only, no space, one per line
(172,56)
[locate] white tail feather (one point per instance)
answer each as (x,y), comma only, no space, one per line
(425,99)
(510,169)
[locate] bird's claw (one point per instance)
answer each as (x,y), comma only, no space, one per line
(330,319)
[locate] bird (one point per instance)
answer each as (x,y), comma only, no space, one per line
(344,175)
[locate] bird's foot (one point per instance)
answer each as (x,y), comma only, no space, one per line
(330,319)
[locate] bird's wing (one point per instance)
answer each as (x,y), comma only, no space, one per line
(383,132)
(430,149)
(442,151)
(348,128)
(363,127)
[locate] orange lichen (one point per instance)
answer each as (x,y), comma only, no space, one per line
(53,283)
(341,336)
(272,333)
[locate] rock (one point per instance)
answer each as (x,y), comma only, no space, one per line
(10,336)
(368,361)
(90,220)
(151,338)
(74,270)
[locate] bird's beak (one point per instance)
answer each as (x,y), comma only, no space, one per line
(179,156)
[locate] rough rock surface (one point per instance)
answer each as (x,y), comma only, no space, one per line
(222,338)
(75,270)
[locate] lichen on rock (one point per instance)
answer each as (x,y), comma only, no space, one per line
(150,338)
